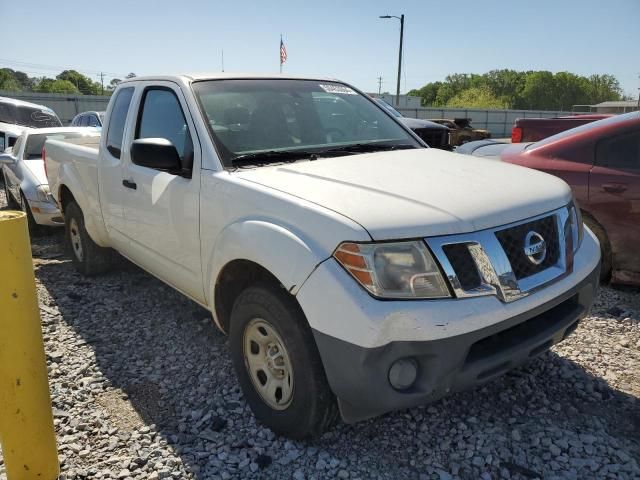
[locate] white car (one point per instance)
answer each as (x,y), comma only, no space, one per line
(24,176)
(17,116)
(353,267)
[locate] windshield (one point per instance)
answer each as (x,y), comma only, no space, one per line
(34,117)
(247,117)
(35,143)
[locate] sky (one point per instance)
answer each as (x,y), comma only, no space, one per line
(340,39)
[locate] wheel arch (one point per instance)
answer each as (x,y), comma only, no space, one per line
(256,251)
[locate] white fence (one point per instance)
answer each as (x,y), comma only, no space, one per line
(66,106)
(498,122)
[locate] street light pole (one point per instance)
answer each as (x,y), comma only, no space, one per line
(401,18)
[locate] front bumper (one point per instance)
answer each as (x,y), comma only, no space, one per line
(46,213)
(456,344)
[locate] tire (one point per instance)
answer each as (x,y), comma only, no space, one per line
(605,248)
(307,407)
(11,203)
(88,257)
(35,230)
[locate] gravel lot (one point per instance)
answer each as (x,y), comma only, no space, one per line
(142,387)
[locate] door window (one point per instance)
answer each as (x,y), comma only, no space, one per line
(622,151)
(117,121)
(162,117)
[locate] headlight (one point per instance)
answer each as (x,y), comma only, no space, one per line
(393,270)
(574,228)
(44,194)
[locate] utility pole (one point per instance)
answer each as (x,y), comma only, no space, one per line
(223,60)
(102,82)
(401,18)
(379,84)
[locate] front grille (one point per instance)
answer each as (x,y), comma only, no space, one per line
(513,240)
(463,264)
(435,138)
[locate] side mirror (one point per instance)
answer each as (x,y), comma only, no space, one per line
(7,159)
(158,153)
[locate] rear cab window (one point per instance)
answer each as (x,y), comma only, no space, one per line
(117,121)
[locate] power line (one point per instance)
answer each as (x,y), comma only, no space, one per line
(43,66)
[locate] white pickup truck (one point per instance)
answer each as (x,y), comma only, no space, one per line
(356,270)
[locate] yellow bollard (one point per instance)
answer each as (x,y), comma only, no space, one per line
(26,423)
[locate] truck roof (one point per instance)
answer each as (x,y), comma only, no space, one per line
(191,77)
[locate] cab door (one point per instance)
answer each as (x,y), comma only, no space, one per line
(161,208)
(112,156)
(614,197)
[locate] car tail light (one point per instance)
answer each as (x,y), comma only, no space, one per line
(516,135)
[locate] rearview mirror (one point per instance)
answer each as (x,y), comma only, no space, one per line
(158,153)
(7,159)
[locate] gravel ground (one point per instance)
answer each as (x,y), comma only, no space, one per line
(142,387)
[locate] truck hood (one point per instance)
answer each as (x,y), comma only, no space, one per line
(417,193)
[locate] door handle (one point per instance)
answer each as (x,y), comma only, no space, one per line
(129,184)
(614,187)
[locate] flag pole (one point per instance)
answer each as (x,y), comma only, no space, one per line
(280,53)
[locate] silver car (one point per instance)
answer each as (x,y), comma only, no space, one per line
(25,179)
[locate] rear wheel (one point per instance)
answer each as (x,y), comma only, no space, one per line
(278,365)
(11,203)
(88,257)
(605,247)
(35,230)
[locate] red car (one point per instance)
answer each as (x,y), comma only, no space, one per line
(534,129)
(601,163)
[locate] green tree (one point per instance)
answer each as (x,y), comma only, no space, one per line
(477,97)
(427,94)
(50,85)
(83,84)
(539,91)
(603,87)
(8,82)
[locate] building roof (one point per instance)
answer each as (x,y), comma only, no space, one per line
(617,103)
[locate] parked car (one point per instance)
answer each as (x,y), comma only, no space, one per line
(534,129)
(24,177)
(601,163)
(355,270)
(433,134)
(88,119)
(17,116)
(461,131)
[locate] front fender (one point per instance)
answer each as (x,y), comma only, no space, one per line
(279,250)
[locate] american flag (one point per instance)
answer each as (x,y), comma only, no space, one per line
(283,52)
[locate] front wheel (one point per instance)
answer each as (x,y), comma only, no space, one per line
(88,257)
(278,365)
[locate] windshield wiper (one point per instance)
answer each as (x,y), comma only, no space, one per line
(272,156)
(365,147)
(286,156)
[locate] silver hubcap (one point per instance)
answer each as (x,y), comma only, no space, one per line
(76,242)
(268,364)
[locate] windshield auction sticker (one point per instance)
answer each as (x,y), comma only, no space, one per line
(341,89)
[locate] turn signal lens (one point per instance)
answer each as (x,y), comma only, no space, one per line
(393,270)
